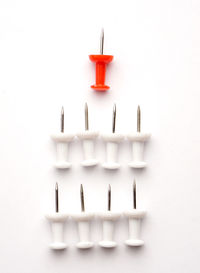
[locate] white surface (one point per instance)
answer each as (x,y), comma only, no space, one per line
(44,64)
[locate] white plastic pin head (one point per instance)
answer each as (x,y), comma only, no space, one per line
(138,140)
(108,224)
(62,141)
(134,222)
(83,220)
(57,221)
(112,142)
(88,142)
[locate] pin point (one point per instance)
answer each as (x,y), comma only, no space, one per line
(134,221)
(88,138)
(62,141)
(83,221)
(57,221)
(138,140)
(101,62)
(108,219)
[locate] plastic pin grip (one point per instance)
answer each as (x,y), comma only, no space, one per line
(101,62)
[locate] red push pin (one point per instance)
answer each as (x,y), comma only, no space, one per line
(101,62)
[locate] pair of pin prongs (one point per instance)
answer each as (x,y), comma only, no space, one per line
(83,219)
(58,220)
(134,223)
(112,141)
(63,140)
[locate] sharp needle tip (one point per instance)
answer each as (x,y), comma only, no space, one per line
(86,117)
(138,119)
(82,198)
(134,194)
(109,197)
(114,118)
(62,120)
(102,41)
(56,198)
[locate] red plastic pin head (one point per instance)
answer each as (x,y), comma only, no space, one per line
(101,62)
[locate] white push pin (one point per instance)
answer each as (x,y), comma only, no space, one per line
(88,138)
(138,140)
(134,221)
(108,219)
(62,146)
(112,140)
(83,221)
(57,220)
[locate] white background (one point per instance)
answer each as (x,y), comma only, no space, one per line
(44,64)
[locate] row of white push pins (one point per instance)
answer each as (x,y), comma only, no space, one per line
(112,140)
(83,220)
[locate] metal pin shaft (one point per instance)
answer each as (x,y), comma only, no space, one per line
(114,118)
(62,120)
(109,197)
(102,41)
(138,119)
(86,117)
(82,198)
(56,198)
(134,195)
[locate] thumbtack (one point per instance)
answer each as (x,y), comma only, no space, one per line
(83,221)
(138,140)
(134,218)
(57,221)
(101,61)
(108,219)
(112,140)
(62,141)
(88,137)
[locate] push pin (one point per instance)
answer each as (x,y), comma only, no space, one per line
(83,220)
(112,140)
(134,217)
(57,220)
(88,137)
(138,140)
(108,219)
(101,61)
(62,145)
